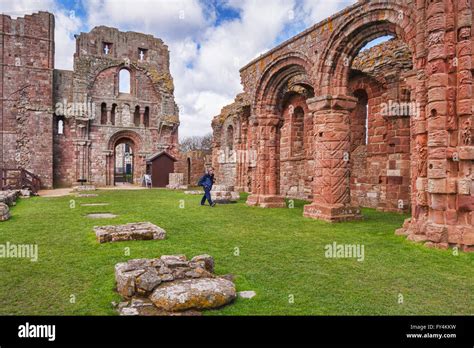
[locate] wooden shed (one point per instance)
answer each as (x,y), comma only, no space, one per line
(160,166)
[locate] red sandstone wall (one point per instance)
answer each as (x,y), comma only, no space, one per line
(86,149)
(27,59)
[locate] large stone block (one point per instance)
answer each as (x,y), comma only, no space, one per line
(4,212)
(128,232)
(436,233)
(466,153)
(197,294)
(332,212)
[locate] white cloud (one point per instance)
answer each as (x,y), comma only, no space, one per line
(316,11)
(214,76)
(173,19)
(67,24)
(20,8)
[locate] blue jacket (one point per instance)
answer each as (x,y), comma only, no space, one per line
(207,181)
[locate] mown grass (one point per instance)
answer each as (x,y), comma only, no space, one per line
(281,257)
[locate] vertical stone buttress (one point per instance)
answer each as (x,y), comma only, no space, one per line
(331,148)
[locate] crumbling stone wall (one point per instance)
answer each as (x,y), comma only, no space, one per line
(146,118)
(192,165)
(233,151)
(26,80)
(421,162)
(64,125)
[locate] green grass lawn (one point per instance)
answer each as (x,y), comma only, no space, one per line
(282,257)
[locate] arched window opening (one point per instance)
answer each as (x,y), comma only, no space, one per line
(376,42)
(103,113)
(136,116)
(147,117)
(360,126)
(124,81)
(297,132)
(230,138)
(60,126)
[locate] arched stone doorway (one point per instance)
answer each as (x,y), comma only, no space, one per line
(283,89)
(125,164)
(333,107)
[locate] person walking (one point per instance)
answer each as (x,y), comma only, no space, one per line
(207,181)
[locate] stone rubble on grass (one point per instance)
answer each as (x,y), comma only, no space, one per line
(128,232)
(224,194)
(195,193)
(84,188)
(26,193)
(4,212)
(101,216)
(9,197)
(176,182)
(247,294)
(193,294)
(171,285)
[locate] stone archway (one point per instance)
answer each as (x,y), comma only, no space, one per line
(137,163)
(333,107)
(289,75)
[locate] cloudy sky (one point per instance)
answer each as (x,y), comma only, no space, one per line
(209,40)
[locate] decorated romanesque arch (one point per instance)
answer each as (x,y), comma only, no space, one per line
(428,164)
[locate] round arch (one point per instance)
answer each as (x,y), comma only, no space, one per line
(388,18)
(274,77)
(133,140)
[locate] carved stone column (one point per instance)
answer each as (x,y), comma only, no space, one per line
(331,148)
(267,178)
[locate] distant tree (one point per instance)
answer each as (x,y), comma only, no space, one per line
(196,143)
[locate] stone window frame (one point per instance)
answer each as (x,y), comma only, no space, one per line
(60,119)
(110,46)
(131,75)
(145,54)
(293,136)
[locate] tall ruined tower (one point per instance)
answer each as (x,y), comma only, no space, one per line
(26,87)
(120,93)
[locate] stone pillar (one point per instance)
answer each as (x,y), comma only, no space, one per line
(142,118)
(266,194)
(331,148)
(460,222)
(109,115)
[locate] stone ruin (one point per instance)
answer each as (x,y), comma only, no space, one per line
(224,194)
(389,128)
(176,182)
(171,285)
(128,232)
(8,199)
(4,212)
(84,188)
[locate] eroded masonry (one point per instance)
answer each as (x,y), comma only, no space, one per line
(110,120)
(387,128)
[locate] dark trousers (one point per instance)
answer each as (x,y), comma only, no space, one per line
(207,196)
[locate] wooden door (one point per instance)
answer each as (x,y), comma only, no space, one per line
(161,168)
